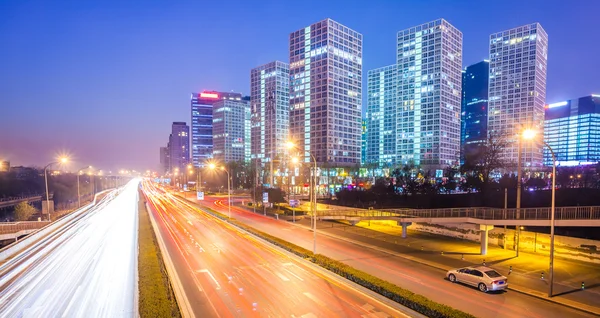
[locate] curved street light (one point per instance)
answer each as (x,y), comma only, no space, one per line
(78,194)
(212,166)
(60,160)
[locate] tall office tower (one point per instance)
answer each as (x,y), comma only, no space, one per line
(202,125)
(572,129)
(381,116)
(428,95)
(164,159)
(179,146)
(517,89)
(474,107)
(326,92)
(231,130)
(270,109)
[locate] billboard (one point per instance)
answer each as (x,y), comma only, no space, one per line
(200,195)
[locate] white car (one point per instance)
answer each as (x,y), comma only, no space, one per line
(484,278)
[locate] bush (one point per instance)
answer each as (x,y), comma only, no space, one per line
(24,211)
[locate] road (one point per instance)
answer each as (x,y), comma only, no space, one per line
(413,276)
(228,273)
(86,268)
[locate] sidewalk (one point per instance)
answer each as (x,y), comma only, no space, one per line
(526,275)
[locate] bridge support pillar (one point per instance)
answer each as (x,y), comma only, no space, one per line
(404,225)
(484,237)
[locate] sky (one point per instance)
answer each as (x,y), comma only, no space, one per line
(103,80)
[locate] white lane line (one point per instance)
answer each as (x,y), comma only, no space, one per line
(285,279)
(315,299)
(210,275)
(300,278)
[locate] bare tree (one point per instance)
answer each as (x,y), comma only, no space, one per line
(485,159)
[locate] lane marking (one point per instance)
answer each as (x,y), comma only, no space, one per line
(315,299)
(285,279)
(211,276)
(300,278)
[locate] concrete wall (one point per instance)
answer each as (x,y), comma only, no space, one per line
(564,246)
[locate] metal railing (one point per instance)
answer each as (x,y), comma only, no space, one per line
(14,227)
(20,198)
(562,213)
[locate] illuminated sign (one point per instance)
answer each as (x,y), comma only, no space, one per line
(209,95)
(557,104)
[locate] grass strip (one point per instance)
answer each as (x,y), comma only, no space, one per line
(156,297)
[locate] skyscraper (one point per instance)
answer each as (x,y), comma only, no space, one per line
(429,94)
(179,146)
(572,129)
(202,123)
(517,88)
(231,130)
(270,109)
(164,159)
(381,116)
(474,108)
(326,92)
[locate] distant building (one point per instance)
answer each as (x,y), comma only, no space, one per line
(4,166)
(517,89)
(326,92)
(202,123)
(231,130)
(179,146)
(474,106)
(381,116)
(164,159)
(270,109)
(363,145)
(572,129)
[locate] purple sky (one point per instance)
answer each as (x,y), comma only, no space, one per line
(103,80)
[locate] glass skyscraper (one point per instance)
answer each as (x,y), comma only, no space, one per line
(202,123)
(231,130)
(179,146)
(517,89)
(474,108)
(326,92)
(270,109)
(429,62)
(381,116)
(572,129)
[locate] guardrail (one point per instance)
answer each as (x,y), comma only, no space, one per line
(20,198)
(14,227)
(561,213)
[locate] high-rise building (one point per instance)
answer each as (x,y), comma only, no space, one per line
(202,123)
(474,108)
(381,116)
(270,109)
(429,59)
(572,129)
(231,130)
(517,89)
(326,92)
(179,146)
(164,159)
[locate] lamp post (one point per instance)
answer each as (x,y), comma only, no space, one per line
(78,194)
(212,166)
(526,134)
(531,135)
(294,161)
(291,145)
(61,160)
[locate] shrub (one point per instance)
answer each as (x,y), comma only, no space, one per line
(24,211)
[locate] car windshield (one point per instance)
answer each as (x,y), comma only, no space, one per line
(493,274)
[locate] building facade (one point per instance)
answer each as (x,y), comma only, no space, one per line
(429,61)
(381,116)
(164,160)
(201,119)
(572,129)
(231,130)
(270,109)
(474,106)
(326,92)
(179,146)
(4,165)
(517,89)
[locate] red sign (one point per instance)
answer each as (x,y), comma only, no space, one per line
(209,95)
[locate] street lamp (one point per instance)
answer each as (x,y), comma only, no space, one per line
(60,160)
(78,194)
(531,135)
(212,166)
(294,161)
(527,134)
(291,145)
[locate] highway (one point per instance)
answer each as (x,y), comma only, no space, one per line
(228,273)
(418,278)
(86,268)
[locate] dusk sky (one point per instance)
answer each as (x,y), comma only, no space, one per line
(104,80)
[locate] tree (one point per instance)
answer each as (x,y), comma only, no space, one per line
(485,159)
(24,211)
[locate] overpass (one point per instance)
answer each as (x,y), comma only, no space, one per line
(8,202)
(486,218)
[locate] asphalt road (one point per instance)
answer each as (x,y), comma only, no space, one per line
(227,273)
(87,268)
(418,278)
